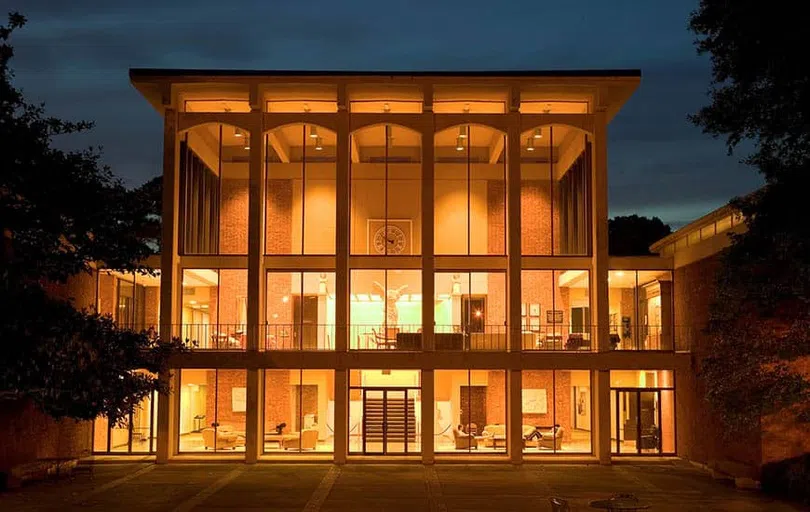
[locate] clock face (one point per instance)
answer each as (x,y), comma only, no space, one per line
(391,238)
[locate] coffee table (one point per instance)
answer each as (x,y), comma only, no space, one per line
(274,438)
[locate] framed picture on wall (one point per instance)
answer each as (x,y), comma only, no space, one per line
(391,236)
(534,401)
(534,310)
(239,399)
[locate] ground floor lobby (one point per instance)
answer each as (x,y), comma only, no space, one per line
(402,413)
(670,486)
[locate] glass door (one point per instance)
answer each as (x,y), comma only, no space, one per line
(389,421)
(637,421)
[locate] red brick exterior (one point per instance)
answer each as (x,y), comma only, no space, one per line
(233,220)
(278,226)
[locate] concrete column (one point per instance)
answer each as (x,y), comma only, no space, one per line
(428,422)
(601,416)
(600,312)
(170,271)
(342,235)
(513,232)
(428,262)
(341,441)
(256,201)
(167,410)
(514,423)
(253,430)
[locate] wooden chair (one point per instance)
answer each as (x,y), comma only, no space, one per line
(559,505)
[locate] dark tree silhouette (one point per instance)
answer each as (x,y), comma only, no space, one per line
(760,319)
(633,235)
(61,213)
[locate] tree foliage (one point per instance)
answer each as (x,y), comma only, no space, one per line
(760,318)
(62,213)
(632,235)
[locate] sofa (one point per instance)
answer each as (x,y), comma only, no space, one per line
(221,438)
(463,440)
(552,439)
(307,439)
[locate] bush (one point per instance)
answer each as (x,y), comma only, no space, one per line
(789,478)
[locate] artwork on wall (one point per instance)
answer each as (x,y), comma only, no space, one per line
(534,309)
(239,399)
(530,316)
(554,316)
(534,401)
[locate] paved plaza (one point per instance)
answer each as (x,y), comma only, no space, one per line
(145,487)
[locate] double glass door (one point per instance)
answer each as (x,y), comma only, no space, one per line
(389,421)
(637,421)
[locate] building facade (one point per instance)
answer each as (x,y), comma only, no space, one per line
(374,264)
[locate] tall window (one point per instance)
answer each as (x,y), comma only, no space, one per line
(556,407)
(214,314)
(555,191)
(470,311)
(299,411)
(300,200)
(213,406)
(470,191)
(555,310)
(386,190)
(385,310)
(642,412)
(640,304)
(300,311)
(214,161)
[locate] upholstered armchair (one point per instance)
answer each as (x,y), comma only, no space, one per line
(463,440)
(552,439)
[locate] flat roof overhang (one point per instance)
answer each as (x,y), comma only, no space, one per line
(617,85)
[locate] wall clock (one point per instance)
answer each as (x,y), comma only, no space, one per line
(389,239)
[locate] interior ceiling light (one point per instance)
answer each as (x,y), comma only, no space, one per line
(313,132)
(238,132)
(462,132)
(466,108)
(386,107)
(247,143)
(459,144)
(538,134)
(318,144)
(530,144)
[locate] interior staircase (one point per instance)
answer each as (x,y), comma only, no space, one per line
(396,422)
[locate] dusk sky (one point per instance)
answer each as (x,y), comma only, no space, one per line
(75,56)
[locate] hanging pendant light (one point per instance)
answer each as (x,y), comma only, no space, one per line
(538,134)
(459,144)
(462,132)
(238,133)
(530,144)
(318,144)
(313,132)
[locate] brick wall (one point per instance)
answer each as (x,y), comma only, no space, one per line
(496,217)
(278,226)
(219,405)
(28,434)
(559,402)
(496,397)
(277,400)
(107,294)
(536,224)
(152,306)
(79,289)
(233,220)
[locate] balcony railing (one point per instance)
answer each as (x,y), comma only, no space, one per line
(558,337)
(488,338)
(212,336)
(381,337)
(297,336)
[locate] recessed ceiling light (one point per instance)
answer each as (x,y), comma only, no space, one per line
(530,144)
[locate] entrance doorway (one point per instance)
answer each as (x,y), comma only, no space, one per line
(389,421)
(637,421)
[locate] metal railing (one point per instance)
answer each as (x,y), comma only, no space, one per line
(468,338)
(297,337)
(559,337)
(212,336)
(488,338)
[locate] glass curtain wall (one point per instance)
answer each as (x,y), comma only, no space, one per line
(214,160)
(470,191)
(555,310)
(556,411)
(470,412)
(300,311)
(137,433)
(470,311)
(385,311)
(213,405)
(386,217)
(640,304)
(214,314)
(300,165)
(385,412)
(555,191)
(299,411)
(131,299)
(642,412)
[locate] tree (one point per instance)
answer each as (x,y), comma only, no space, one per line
(759,319)
(633,235)
(61,213)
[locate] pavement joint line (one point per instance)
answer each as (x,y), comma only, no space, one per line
(113,484)
(206,493)
(434,490)
(322,491)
